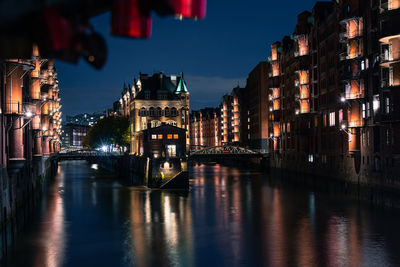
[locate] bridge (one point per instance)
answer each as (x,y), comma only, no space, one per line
(80,155)
(226,152)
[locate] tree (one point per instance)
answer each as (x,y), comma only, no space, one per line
(113,130)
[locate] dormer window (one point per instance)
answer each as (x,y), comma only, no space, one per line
(162,95)
(166,111)
(147,94)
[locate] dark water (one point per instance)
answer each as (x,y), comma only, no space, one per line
(229,218)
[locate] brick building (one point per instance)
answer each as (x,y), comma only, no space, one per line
(333,91)
(205,127)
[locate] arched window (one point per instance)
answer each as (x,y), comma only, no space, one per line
(166,111)
(151,112)
(142,112)
(158,112)
(173,112)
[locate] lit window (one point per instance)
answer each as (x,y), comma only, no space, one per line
(332,119)
(387,105)
(171,150)
(176,136)
(340,116)
(363,111)
(169,136)
(368,110)
(154,136)
(310,158)
(160,136)
(362,65)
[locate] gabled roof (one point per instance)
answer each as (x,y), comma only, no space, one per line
(157,83)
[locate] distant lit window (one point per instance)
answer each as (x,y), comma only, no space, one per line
(340,116)
(154,136)
(310,158)
(169,136)
(387,105)
(362,65)
(160,136)
(324,120)
(332,119)
(176,136)
(368,110)
(363,111)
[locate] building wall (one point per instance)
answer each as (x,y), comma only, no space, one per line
(333,94)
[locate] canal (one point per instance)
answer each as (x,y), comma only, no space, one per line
(229,217)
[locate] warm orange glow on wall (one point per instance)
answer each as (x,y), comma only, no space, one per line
(277,130)
(354,140)
(275,93)
(354,115)
(304,106)
(13,93)
(354,28)
(303,77)
(275,69)
(355,89)
(277,104)
(354,48)
(274,52)
(304,92)
(302,41)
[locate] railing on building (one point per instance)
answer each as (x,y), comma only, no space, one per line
(13,107)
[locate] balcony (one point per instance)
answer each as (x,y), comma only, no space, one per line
(13,107)
(387,59)
(389,6)
(389,28)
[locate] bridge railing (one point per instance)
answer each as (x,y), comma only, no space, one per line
(226,150)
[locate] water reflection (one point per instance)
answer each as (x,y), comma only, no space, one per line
(229,218)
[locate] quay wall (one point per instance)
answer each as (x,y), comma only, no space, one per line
(344,174)
(141,171)
(20,191)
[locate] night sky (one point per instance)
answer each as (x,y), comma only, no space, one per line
(215,54)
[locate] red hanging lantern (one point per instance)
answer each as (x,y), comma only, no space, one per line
(58,30)
(128,20)
(190,8)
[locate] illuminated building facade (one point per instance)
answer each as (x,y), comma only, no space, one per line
(30,117)
(157,100)
(205,128)
(333,100)
(231,116)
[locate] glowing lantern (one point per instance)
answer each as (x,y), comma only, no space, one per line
(128,20)
(190,8)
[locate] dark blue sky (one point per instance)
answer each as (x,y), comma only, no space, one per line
(215,54)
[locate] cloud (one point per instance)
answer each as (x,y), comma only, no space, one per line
(207,91)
